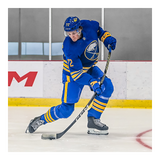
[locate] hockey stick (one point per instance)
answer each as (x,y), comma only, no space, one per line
(59,135)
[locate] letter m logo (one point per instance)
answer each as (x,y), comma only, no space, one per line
(30,78)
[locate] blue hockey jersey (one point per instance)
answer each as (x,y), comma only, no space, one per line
(80,56)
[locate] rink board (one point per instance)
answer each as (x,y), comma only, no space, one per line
(48,102)
(39,83)
(43,79)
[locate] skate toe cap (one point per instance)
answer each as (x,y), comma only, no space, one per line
(105,127)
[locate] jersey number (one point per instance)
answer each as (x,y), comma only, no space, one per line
(70,62)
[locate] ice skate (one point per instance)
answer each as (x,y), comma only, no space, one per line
(34,124)
(96,127)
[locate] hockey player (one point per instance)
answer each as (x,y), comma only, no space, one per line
(80,56)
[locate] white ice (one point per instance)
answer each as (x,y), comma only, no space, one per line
(124,126)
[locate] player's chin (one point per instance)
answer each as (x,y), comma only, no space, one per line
(74,40)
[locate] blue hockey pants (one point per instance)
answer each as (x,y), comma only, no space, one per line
(71,95)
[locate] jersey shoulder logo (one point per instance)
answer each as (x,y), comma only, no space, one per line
(92,51)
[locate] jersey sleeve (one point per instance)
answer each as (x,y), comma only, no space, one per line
(76,71)
(95,25)
(102,34)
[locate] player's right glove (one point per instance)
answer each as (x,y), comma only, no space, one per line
(110,41)
(94,85)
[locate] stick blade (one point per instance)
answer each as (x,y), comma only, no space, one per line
(48,136)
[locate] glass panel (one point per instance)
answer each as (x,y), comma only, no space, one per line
(39,48)
(30,26)
(12,48)
(57,49)
(32,48)
(34,33)
(13,33)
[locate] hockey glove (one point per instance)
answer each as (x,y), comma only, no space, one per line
(110,41)
(94,85)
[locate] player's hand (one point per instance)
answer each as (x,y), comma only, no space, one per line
(110,41)
(96,87)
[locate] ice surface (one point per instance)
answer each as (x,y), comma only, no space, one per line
(124,126)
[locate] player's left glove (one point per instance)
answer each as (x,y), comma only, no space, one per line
(94,85)
(110,41)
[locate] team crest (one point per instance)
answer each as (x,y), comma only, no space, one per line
(92,51)
(75,19)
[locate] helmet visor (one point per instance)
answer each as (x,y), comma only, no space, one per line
(69,33)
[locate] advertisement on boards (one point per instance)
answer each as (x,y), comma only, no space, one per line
(25,79)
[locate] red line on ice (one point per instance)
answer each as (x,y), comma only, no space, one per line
(138,139)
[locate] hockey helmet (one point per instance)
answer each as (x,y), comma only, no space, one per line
(71,24)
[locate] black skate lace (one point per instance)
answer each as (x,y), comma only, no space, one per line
(98,123)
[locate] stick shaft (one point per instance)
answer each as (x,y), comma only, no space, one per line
(59,135)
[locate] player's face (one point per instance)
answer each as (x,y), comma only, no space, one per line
(74,35)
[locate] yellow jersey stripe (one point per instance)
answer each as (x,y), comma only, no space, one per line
(46,118)
(68,78)
(98,106)
(77,76)
(84,71)
(105,35)
(86,68)
(66,69)
(97,109)
(65,92)
(66,65)
(104,104)
(49,112)
(76,72)
(65,61)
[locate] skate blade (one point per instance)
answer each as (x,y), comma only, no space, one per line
(97,132)
(27,130)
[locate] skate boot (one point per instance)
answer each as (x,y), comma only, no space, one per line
(96,127)
(34,124)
